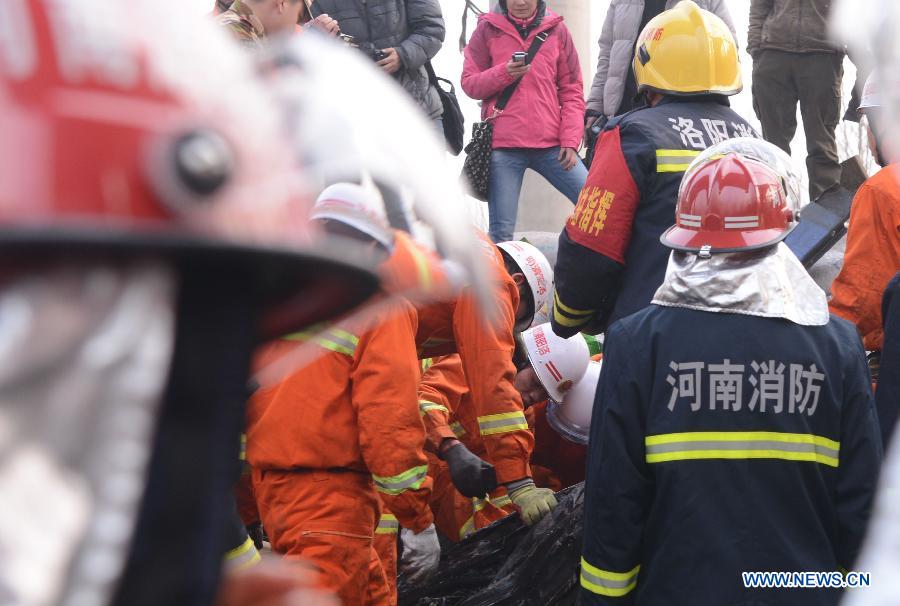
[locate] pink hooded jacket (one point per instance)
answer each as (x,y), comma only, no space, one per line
(547,108)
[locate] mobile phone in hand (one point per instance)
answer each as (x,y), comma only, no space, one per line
(519,56)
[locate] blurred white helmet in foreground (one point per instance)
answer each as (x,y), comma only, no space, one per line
(356,206)
(869,29)
(871,93)
(352,123)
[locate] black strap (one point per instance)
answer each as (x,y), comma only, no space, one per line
(432,77)
(436,80)
(509,90)
(470,6)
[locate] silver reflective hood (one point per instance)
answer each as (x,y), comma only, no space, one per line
(770,283)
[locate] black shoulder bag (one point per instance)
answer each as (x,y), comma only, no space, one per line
(477,166)
(454,122)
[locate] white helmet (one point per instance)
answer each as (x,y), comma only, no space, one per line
(571,418)
(871,94)
(536,268)
(559,363)
(356,206)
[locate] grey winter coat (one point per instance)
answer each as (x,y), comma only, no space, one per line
(414,27)
(796,26)
(620,30)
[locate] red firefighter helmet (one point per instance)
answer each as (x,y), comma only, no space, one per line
(125,131)
(730,201)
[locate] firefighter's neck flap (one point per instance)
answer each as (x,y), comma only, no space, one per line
(770,284)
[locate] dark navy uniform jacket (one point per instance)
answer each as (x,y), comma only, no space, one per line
(627,202)
(887,398)
(724,443)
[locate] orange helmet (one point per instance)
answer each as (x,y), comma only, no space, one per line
(117,143)
(735,197)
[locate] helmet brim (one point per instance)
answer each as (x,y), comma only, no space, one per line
(730,92)
(382,236)
(297,288)
(687,240)
(562,426)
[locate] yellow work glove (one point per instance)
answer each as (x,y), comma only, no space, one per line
(533,502)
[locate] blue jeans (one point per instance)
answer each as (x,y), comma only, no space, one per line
(507,171)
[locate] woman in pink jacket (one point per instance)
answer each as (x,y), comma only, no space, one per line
(541,126)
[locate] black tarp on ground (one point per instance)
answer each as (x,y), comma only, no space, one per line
(510,564)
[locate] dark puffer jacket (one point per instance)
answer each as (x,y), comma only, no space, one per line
(796,26)
(414,27)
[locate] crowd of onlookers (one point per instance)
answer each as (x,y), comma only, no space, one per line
(547,120)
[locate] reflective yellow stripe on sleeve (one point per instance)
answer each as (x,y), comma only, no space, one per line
(457,428)
(422,268)
(741,445)
(387,524)
(674,160)
(411,479)
(242,557)
(605,582)
(489,425)
(568,316)
(425,407)
(334,339)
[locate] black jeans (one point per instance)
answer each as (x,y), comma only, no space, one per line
(780,81)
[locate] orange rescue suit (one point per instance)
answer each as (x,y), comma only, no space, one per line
(872,257)
(330,439)
(556,462)
(448,412)
(485,345)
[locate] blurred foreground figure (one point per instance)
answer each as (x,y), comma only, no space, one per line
(152,235)
(873,245)
(870,30)
(251,21)
(734,428)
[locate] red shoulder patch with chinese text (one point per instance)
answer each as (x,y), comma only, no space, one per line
(605,210)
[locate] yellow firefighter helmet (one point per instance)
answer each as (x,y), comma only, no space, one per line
(687,51)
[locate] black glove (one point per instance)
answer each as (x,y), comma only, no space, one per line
(472,476)
(256,533)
